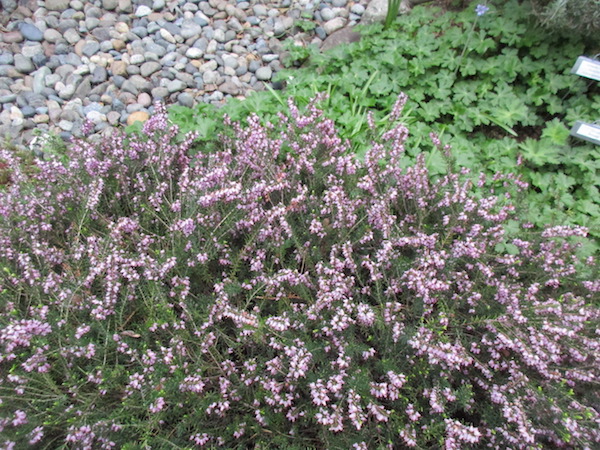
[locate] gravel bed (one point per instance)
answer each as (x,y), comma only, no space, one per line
(108,61)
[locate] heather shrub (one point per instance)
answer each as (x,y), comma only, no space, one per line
(570,16)
(279,293)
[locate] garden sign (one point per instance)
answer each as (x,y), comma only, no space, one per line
(589,68)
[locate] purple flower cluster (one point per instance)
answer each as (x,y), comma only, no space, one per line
(278,291)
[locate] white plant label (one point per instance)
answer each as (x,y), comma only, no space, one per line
(587,131)
(587,67)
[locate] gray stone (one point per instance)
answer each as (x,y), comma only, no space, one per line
(90,48)
(260,10)
(264,74)
(140,31)
(51,35)
(201,43)
(56,5)
(158,5)
(230,61)
(186,78)
(106,46)
(91,23)
(84,88)
(39,79)
(6,58)
(137,59)
(31,49)
(189,6)
(269,57)
(194,53)
(28,111)
(282,25)
(333,25)
(23,64)
(339,3)
(210,77)
(110,5)
(185,99)
(94,12)
(31,32)
(94,106)
(143,11)
(8,5)
(150,67)
(241,70)
(72,59)
(125,6)
(175,86)
(235,25)
(358,9)
(160,92)
(327,14)
(65,25)
(96,117)
(129,86)
(71,36)
(190,29)
(65,125)
(212,47)
(216,97)
(7,98)
(253,66)
(209,65)
(141,84)
(320,32)
(229,87)
(219,35)
(377,10)
(157,49)
(99,75)
(167,36)
(66,92)
(340,37)
(113,117)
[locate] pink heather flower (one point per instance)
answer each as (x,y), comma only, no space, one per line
(409,436)
(37,362)
(355,410)
(36,435)
(201,439)
(378,412)
(20,333)
(457,433)
(158,405)
(398,107)
(331,418)
(413,415)
(20,418)
(81,331)
(365,315)
(318,392)
(240,431)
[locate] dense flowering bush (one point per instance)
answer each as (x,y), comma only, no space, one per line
(278,293)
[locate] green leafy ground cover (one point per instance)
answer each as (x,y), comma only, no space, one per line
(496,86)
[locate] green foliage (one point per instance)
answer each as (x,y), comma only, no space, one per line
(305,25)
(392,12)
(507,103)
(297,54)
